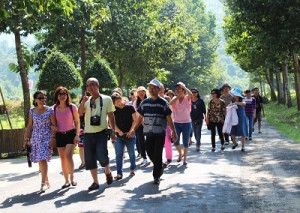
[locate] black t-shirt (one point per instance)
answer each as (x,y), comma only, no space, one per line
(198,109)
(124,118)
(259,101)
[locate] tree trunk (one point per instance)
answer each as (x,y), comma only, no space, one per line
(82,54)
(270,80)
(121,74)
(286,84)
(279,87)
(23,74)
(297,78)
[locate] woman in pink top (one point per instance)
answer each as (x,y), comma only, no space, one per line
(181,106)
(68,130)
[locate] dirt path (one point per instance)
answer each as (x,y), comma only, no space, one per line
(264,179)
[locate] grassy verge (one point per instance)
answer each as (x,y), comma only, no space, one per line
(286,120)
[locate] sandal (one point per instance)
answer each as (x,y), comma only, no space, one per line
(234,146)
(44,187)
(82,166)
(132,173)
(74,183)
(66,185)
(179,158)
(94,186)
(222,147)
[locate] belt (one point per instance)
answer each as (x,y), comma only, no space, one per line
(72,130)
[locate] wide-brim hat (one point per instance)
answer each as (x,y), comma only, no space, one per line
(179,84)
(237,92)
(141,88)
(226,85)
(155,82)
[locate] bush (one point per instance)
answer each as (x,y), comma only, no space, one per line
(100,70)
(58,70)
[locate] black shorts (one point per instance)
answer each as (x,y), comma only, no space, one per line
(62,139)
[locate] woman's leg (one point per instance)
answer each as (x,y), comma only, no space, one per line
(168,144)
(44,170)
(220,127)
(186,130)
(213,136)
(69,156)
(243,142)
(130,143)
(177,143)
(64,163)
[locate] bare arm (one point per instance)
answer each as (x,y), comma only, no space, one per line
(53,123)
(173,100)
(81,106)
(111,118)
(171,124)
(135,125)
(134,117)
(77,125)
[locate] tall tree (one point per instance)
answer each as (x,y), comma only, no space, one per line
(22,17)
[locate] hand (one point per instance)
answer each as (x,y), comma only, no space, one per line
(120,133)
(52,143)
(113,136)
(76,140)
(174,136)
(85,98)
(254,116)
(130,134)
(26,143)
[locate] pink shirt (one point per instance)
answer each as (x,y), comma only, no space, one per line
(65,121)
(182,110)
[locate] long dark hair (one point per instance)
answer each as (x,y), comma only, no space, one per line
(57,90)
(35,96)
(138,101)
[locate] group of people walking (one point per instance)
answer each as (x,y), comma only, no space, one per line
(148,123)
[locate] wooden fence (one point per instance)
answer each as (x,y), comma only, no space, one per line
(11,141)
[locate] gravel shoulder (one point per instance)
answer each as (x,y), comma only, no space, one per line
(266,178)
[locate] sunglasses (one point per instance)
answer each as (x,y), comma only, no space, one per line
(41,98)
(62,94)
(213,93)
(132,93)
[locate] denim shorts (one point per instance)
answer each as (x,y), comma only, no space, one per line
(95,148)
(185,129)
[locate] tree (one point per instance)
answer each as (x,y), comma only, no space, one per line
(22,17)
(57,71)
(100,70)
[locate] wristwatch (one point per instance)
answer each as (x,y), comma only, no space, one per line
(77,134)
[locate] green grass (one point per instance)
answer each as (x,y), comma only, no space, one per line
(17,122)
(286,120)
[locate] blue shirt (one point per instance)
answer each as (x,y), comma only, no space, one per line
(155,114)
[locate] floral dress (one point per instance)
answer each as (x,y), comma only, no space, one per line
(41,135)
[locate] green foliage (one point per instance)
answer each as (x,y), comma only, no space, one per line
(58,70)
(100,70)
(287,121)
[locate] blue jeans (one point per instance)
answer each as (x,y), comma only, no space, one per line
(120,143)
(197,127)
(95,148)
(250,124)
(185,129)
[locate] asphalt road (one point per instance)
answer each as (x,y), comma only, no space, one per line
(266,178)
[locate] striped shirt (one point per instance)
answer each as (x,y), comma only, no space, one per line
(155,114)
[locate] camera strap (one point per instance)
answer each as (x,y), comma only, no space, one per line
(101,104)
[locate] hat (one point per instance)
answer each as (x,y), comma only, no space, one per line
(226,85)
(179,83)
(236,92)
(155,82)
(195,89)
(118,90)
(141,88)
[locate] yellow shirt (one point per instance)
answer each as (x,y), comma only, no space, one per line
(107,108)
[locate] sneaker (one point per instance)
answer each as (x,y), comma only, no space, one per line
(198,149)
(66,185)
(94,186)
(156,181)
(234,146)
(109,178)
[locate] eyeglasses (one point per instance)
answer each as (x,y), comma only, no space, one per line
(62,94)
(132,93)
(41,98)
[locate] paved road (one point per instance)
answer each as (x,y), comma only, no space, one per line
(264,179)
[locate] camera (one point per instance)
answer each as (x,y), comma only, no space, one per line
(95,120)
